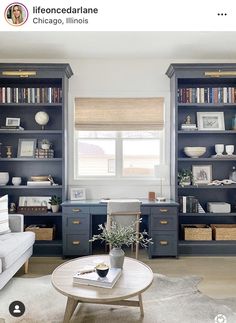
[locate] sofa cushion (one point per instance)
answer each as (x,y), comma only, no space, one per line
(4,220)
(13,245)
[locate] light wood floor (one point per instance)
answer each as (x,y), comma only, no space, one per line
(218,273)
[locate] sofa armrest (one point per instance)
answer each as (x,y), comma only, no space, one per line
(16,222)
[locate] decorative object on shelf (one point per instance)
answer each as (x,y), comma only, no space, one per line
(77,193)
(12,122)
(232,174)
(4,178)
(194,152)
(45,144)
(55,202)
(42,119)
(218,207)
(234,122)
(217,182)
(202,174)
(32,210)
(39,178)
(16,181)
(229,149)
(162,172)
(188,125)
(210,121)
(185,177)
(9,151)
(12,208)
(117,236)
(219,149)
(50,178)
(151,196)
(44,153)
(34,201)
(26,148)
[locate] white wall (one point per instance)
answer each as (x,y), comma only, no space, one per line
(118,78)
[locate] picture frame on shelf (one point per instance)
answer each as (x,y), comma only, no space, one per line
(210,121)
(34,201)
(12,122)
(202,174)
(77,193)
(26,148)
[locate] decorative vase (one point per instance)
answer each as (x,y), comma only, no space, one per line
(4,178)
(55,208)
(117,257)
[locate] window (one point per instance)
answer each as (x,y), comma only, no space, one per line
(124,143)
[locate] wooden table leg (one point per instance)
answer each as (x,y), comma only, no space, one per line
(141,304)
(70,308)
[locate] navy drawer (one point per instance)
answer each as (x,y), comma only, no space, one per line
(75,209)
(77,244)
(164,210)
(163,222)
(165,244)
(80,223)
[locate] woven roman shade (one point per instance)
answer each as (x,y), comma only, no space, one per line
(119,114)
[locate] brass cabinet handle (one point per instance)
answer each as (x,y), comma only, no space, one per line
(76,222)
(163,210)
(75,210)
(76,242)
(163,222)
(163,242)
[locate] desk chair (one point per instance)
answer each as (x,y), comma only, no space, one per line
(124,212)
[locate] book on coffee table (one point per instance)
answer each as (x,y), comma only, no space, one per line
(93,279)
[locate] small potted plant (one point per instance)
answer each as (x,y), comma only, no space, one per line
(55,202)
(185,177)
(45,144)
(117,236)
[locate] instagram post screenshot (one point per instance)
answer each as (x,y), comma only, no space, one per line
(117,161)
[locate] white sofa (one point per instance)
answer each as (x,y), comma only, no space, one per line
(16,248)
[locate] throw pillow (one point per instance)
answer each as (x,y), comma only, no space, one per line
(4,218)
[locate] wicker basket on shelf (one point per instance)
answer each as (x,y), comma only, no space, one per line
(197,232)
(224,231)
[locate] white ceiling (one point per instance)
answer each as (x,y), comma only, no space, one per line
(158,45)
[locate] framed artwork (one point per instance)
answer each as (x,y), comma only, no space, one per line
(210,121)
(77,193)
(26,148)
(12,122)
(202,174)
(35,201)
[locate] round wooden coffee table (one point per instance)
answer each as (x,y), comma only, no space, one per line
(135,279)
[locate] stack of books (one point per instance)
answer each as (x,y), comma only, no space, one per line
(188,126)
(91,278)
(12,128)
(39,183)
(44,153)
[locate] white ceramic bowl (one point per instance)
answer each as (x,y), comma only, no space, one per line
(4,178)
(194,152)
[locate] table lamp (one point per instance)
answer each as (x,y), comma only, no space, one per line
(161,172)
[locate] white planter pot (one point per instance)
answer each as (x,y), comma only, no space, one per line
(45,146)
(55,208)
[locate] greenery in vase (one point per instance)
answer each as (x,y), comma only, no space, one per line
(55,200)
(118,235)
(185,175)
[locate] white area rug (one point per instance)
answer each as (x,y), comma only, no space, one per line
(168,300)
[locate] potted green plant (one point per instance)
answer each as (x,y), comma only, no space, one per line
(185,177)
(55,202)
(118,236)
(45,144)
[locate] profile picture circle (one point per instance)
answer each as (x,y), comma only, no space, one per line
(16,14)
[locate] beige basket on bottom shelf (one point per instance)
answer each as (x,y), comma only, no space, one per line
(197,232)
(224,231)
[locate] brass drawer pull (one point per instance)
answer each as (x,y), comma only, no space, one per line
(75,210)
(163,222)
(76,242)
(163,242)
(76,222)
(163,210)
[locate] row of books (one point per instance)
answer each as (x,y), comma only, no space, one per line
(207,95)
(44,153)
(30,95)
(189,204)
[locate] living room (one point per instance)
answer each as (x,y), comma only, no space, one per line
(117,68)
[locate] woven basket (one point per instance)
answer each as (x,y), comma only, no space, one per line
(42,231)
(224,231)
(197,232)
